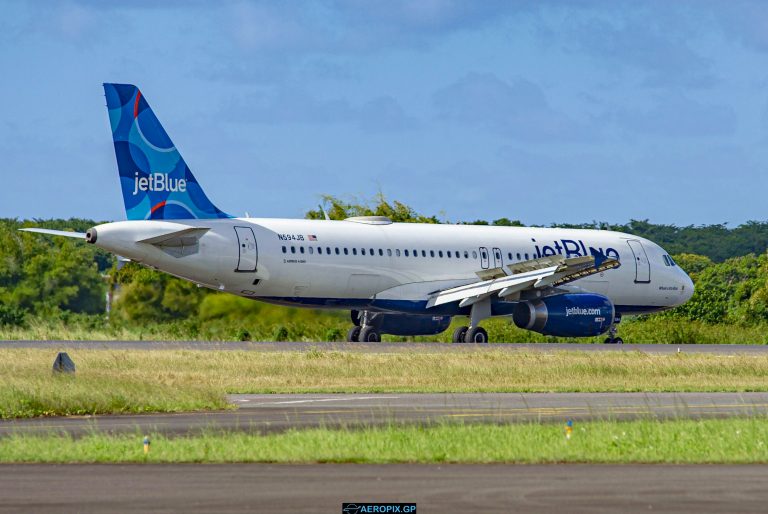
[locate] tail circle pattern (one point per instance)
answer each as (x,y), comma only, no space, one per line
(156,182)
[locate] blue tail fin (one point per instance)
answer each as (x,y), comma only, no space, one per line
(156,182)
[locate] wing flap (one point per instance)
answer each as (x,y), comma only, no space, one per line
(541,273)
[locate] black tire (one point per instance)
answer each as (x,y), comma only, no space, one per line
(476,335)
(618,340)
(355,315)
(369,335)
(459,334)
(353,335)
(608,340)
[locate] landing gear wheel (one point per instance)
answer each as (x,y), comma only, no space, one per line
(459,335)
(608,340)
(613,340)
(618,340)
(369,335)
(353,335)
(476,335)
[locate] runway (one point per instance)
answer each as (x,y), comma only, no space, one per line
(445,489)
(264,413)
(271,346)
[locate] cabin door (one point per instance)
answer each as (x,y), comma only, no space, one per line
(642,265)
(248,254)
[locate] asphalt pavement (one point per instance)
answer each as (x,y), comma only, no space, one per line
(263,413)
(321,488)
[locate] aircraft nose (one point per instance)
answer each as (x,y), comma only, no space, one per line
(686,287)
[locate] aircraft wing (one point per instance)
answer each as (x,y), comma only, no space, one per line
(539,273)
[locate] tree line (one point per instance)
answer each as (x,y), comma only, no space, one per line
(54,276)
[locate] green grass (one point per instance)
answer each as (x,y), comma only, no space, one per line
(313,326)
(127,381)
(708,441)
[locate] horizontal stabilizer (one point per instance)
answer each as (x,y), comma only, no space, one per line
(184,237)
(64,233)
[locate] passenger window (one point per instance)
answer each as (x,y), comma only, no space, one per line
(311,250)
(424,253)
(293,249)
(448,253)
(526,256)
(362,251)
(381,252)
(346,252)
(320,250)
(406,253)
(301,249)
(285,250)
(337,250)
(466,254)
(328,250)
(509,255)
(440,253)
(518,256)
(354,251)
(397,252)
(372,252)
(389,252)
(431,253)
(474,254)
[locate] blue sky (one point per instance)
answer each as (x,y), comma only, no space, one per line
(550,111)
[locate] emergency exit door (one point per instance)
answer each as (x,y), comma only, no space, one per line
(248,254)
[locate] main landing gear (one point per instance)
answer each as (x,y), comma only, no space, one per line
(481,310)
(362,332)
(470,335)
(612,339)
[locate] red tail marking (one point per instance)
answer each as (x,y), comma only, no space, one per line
(156,207)
(136,104)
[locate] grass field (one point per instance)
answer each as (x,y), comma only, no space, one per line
(709,441)
(112,381)
(312,326)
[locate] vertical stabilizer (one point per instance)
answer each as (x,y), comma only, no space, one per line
(156,182)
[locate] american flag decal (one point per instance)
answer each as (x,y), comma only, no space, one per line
(312,237)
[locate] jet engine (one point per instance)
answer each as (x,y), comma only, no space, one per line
(566,315)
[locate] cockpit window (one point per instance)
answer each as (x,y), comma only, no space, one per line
(668,260)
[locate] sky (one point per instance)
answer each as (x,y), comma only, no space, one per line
(548,111)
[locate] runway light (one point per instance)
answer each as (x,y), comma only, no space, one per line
(568,428)
(146,444)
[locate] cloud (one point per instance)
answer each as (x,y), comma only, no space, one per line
(745,21)
(676,115)
(647,44)
(518,109)
(286,105)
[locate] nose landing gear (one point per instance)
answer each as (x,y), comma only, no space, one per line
(612,339)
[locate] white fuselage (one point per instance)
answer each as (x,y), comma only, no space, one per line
(352,264)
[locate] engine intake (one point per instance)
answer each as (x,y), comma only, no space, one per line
(566,315)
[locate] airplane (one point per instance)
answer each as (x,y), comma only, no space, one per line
(404,279)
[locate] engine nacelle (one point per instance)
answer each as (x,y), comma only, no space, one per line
(566,315)
(408,324)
